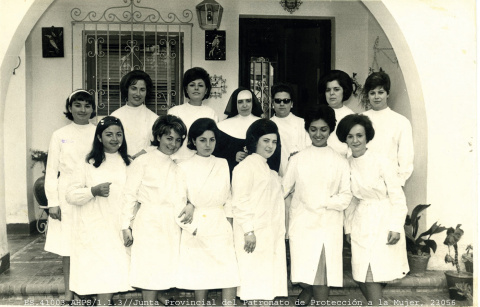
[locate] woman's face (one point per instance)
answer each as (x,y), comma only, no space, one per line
(112,139)
(205,143)
(334,94)
(266,145)
(378,98)
(319,132)
(137,93)
(280,104)
(357,140)
(196,90)
(169,143)
(244,103)
(81,111)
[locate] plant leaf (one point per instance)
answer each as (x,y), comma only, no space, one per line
(433,230)
(431,244)
(415,216)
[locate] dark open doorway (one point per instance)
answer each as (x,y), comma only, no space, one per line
(298,51)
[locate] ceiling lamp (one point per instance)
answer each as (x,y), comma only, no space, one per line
(209,14)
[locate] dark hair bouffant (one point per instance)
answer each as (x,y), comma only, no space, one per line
(258,129)
(343,80)
(132,78)
(196,73)
(198,128)
(281,87)
(349,121)
(375,79)
(79,95)
(324,113)
(165,124)
(97,154)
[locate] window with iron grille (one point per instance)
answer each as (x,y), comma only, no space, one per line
(109,55)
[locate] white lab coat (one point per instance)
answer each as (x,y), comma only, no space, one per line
(393,140)
(99,262)
(68,148)
(321,179)
(381,208)
(333,141)
(257,201)
(188,114)
(210,252)
(137,123)
(154,181)
(293,137)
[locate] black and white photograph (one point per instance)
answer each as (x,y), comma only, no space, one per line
(334,163)
(215,48)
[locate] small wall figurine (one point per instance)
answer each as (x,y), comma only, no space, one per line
(215,47)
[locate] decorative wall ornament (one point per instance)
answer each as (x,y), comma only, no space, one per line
(392,58)
(52,42)
(215,46)
(290,5)
(219,86)
(132,13)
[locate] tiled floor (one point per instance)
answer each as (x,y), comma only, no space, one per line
(36,278)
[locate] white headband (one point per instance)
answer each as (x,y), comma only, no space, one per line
(74,92)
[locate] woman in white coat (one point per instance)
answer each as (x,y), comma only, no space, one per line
(393,132)
(156,182)
(206,246)
(320,178)
(373,223)
(68,147)
(334,89)
(96,194)
(136,86)
(259,217)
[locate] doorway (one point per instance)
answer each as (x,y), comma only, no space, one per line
(299,52)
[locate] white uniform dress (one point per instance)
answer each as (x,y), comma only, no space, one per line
(257,201)
(381,208)
(68,148)
(188,114)
(210,253)
(393,140)
(333,140)
(154,180)
(321,178)
(137,123)
(293,137)
(99,261)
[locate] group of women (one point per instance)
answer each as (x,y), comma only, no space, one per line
(197,206)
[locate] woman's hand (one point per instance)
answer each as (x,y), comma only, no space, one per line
(102,189)
(240,156)
(55,213)
(393,237)
(188,212)
(348,238)
(127,237)
(250,242)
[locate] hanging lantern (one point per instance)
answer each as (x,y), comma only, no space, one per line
(209,14)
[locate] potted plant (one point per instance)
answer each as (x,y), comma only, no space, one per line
(455,278)
(419,246)
(39,156)
(467,259)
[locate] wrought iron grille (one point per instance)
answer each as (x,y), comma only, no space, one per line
(126,38)
(261,81)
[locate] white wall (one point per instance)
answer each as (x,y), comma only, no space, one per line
(441,39)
